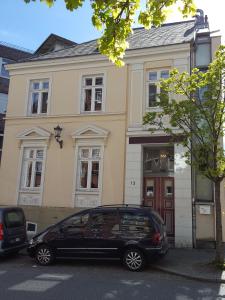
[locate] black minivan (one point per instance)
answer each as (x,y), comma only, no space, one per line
(126,232)
(13,236)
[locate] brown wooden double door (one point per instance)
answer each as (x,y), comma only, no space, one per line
(159,195)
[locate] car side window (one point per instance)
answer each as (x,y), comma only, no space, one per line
(76,223)
(107,221)
(135,223)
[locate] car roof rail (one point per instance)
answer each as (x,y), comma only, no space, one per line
(123,206)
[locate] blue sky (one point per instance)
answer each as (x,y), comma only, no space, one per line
(28,25)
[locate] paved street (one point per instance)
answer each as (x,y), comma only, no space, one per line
(21,278)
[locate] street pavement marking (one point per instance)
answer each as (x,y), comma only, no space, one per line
(55,276)
(34,286)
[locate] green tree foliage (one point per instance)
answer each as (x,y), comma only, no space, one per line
(198,116)
(115,19)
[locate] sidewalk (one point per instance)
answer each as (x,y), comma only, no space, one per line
(191,263)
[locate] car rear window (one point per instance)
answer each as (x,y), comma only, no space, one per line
(133,222)
(14,219)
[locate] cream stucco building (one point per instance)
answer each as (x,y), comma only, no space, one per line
(107,156)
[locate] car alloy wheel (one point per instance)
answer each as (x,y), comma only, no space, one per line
(44,255)
(134,259)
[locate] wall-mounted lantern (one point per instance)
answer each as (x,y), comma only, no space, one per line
(58,131)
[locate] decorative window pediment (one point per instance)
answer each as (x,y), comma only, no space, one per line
(35,133)
(91,132)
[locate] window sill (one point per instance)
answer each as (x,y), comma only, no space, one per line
(79,192)
(91,112)
(30,191)
(37,115)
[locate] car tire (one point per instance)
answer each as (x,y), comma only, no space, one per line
(44,255)
(134,260)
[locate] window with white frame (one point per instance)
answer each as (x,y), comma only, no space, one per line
(92,93)
(89,163)
(39,94)
(32,168)
(153,86)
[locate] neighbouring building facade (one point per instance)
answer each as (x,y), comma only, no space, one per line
(8,54)
(74,136)
(156,172)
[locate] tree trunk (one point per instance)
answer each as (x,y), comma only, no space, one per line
(219,235)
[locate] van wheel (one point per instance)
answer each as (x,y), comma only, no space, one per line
(44,255)
(134,259)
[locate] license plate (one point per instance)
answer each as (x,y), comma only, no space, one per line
(17,239)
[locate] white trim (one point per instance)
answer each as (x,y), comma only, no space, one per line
(94,114)
(42,134)
(143,131)
(19,172)
(27,111)
(89,160)
(43,177)
(97,139)
(39,191)
(92,74)
(94,192)
(155,82)
(23,185)
(98,132)
(137,71)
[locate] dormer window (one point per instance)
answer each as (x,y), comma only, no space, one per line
(38,99)
(92,93)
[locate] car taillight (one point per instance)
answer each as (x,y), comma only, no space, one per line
(156,238)
(1,232)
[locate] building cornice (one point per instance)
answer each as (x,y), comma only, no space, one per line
(87,61)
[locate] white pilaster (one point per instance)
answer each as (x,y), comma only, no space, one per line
(133,181)
(136,89)
(183,199)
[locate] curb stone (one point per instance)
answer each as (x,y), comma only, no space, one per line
(185,275)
